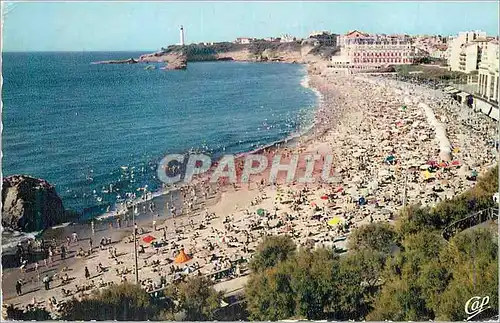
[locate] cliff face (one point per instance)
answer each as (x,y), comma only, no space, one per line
(176,57)
(255,52)
(30,204)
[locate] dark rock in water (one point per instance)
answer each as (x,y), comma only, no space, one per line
(177,63)
(30,204)
(121,61)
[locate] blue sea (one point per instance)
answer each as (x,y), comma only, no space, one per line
(97,132)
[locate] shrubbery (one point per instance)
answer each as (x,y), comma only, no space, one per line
(425,278)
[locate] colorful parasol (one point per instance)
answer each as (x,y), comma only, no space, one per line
(148,239)
(334,221)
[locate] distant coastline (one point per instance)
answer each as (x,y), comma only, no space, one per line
(177,56)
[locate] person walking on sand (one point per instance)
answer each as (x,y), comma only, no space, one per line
(92,226)
(46,282)
(75,237)
(90,245)
(19,286)
(51,255)
(154,225)
(87,273)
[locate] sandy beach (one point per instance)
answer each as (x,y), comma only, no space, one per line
(387,152)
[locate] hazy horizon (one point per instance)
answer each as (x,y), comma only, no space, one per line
(148,26)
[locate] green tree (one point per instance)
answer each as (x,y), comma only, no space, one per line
(269,294)
(379,237)
(118,302)
(472,257)
(35,314)
(272,250)
(198,298)
(313,275)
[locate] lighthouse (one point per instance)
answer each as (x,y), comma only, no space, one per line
(182,36)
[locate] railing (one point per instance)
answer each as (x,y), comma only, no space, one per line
(469,222)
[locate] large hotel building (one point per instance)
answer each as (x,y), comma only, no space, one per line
(361,51)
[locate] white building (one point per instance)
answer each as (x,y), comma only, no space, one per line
(468,58)
(488,72)
(181,36)
(286,38)
(244,40)
(460,51)
(361,51)
(440,52)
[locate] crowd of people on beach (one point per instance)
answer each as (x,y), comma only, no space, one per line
(385,156)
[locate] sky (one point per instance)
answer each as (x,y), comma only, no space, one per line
(122,26)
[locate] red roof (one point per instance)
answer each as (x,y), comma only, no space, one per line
(356,33)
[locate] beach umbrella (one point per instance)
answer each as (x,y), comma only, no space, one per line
(324,197)
(339,189)
(443,164)
(334,221)
(456,162)
(428,175)
(433,163)
(148,239)
(261,212)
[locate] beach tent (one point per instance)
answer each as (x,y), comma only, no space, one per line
(148,239)
(182,257)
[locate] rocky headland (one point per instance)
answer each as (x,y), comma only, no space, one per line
(176,57)
(30,204)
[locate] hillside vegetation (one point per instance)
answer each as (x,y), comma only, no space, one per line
(256,50)
(402,272)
